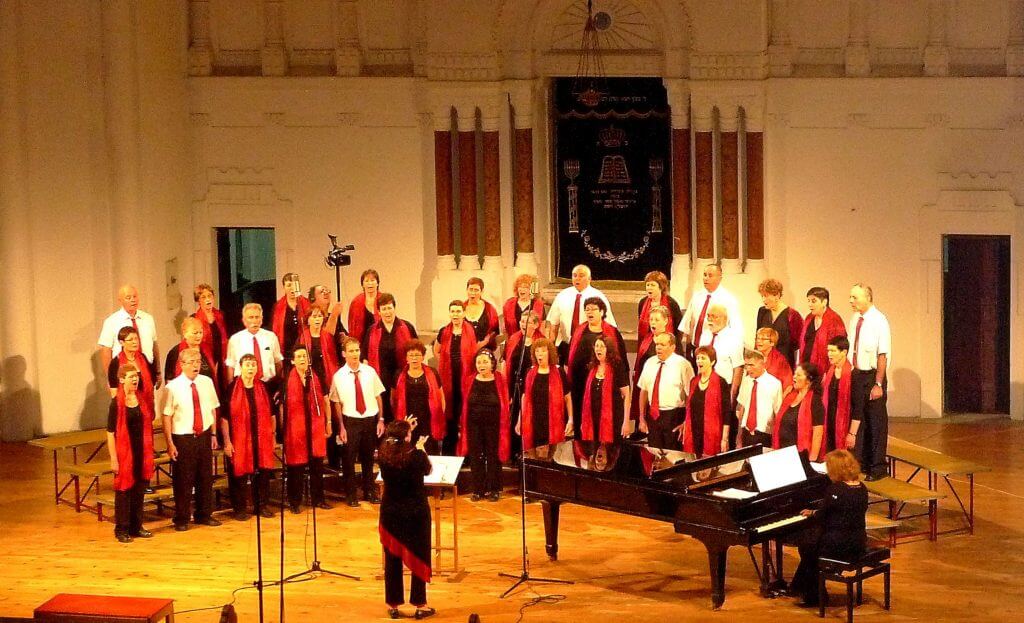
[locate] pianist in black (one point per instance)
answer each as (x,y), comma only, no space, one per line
(705,431)
(839,531)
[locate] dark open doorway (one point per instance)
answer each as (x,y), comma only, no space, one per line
(976,323)
(246,272)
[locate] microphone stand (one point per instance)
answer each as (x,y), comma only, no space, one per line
(257,503)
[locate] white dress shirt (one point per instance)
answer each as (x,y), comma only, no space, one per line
(769,399)
(875,338)
(119,319)
(343,390)
(241,344)
(675,380)
(728,345)
(560,313)
(179,402)
(720,296)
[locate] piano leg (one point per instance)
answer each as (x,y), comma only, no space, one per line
(716,560)
(551,510)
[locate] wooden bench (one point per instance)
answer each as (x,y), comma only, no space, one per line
(160,495)
(63,442)
(898,494)
(937,465)
(874,523)
(71,608)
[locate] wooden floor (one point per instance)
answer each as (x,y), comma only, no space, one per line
(632,570)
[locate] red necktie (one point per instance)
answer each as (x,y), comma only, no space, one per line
(856,341)
(575,315)
(197,412)
(360,401)
(713,336)
(655,412)
(700,321)
(259,358)
(752,410)
(135,326)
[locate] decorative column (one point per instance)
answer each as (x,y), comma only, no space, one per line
(679,105)
(468,248)
(729,167)
(936,53)
(273,57)
(347,55)
(704,183)
(522,187)
(754,139)
(1015,40)
(858,52)
(443,188)
(780,46)
(200,54)
(490,119)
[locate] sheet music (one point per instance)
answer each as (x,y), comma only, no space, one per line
(445,470)
(776,469)
(820,468)
(734,494)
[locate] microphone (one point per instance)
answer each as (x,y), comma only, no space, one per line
(534,288)
(296,289)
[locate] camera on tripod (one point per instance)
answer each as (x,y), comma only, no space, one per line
(338,255)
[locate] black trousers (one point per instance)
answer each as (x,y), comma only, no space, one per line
(362,441)
(483,453)
(128,508)
(193,470)
(297,481)
(659,431)
(873,434)
(450,443)
(394,584)
(748,438)
(240,488)
(335,450)
(386,405)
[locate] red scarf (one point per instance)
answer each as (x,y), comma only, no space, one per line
(326,347)
(241,428)
(146,380)
(831,326)
(449,377)
(556,408)
(357,313)
(804,421)
(607,423)
(402,337)
(510,348)
(296,408)
(503,425)
(843,408)
(218,319)
(125,477)
(511,314)
(778,366)
(301,309)
(207,353)
(434,393)
(644,328)
(607,331)
(713,416)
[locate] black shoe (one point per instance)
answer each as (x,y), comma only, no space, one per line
(240,516)
(352,501)
(476,497)
(873,477)
(123,537)
(372,498)
(325,506)
(422,613)
(394,613)
(266,513)
(808,603)
(142,533)
(494,496)
(180,527)
(149,490)
(209,521)
(296,509)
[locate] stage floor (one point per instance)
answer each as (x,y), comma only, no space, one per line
(624,568)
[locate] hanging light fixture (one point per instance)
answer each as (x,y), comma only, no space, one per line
(590,84)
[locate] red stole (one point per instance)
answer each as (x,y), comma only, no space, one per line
(556,408)
(503,424)
(510,313)
(605,434)
(434,393)
(778,366)
(449,377)
(241,428)
(139,361)
(804,421)
(402,337)
(831,326)
(644,328)
(606,329)
(218,319)
(326,347)
(357,313)
(510,348)
(301,308)
(713,416)
(296,408)
(842,409)
(207,353)
(125,477)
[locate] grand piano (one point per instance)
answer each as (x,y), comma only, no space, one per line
(635,480)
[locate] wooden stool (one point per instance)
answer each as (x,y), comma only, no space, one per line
(68,608)
(872,563)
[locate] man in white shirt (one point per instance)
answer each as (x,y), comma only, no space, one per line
(694,324)
(870,352)
(728,344)
(255,340)
(757,402)
(566,311)
(356,395)
(664,384)
(190,415)
(129,315)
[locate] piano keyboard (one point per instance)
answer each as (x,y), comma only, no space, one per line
(780,523)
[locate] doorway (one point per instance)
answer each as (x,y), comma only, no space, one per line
(246,272)
(976,323)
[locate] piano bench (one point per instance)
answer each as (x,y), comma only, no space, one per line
(853,573)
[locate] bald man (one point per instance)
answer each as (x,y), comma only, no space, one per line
(694,324)
(567,313)
(870,353)
(129,315)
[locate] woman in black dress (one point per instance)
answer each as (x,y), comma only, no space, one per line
(787,322)
(656,286)
(404,518)
(130,445)
(801,417)
(418,394)
(485,426)
(705,432)
(840,531)
(547,403)
(604,416)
